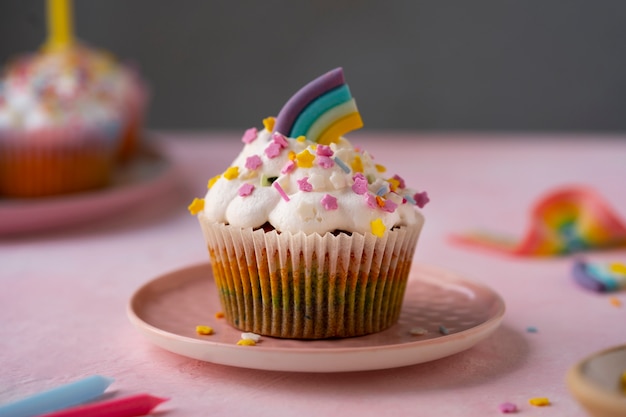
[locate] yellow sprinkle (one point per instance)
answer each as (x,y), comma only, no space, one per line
(378,227)
(618,268)
(357,164)
(231,173)
(305,159)
(212,181)
(301,138)
(615,302)
(291,155)
(539,401)
(394,183)
(219,315)
(204,330)
(246,342)
(268,123)
(380,168)
(196,206)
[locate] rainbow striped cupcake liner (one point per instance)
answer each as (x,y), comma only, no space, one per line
(310,286)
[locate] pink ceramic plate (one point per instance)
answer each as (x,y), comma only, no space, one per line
(149,174)
(167,310)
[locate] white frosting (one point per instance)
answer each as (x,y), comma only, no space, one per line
(66,88)
(305,210)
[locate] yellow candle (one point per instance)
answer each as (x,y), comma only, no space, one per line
(60,27)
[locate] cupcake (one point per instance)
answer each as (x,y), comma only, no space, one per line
(66,118)
(309,238)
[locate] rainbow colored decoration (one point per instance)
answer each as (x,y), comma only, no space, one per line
(322,111)
(567,220)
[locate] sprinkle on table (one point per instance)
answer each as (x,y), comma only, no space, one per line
(539,401)
(418,331)
(531,329)
(246,342)
(219,315)
(443,330)
(196,206)
(615,302)
(507,407)
(204,330)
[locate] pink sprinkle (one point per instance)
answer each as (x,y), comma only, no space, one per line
(273,150)
(245,190)
(508,408)
(389,206)
(249,135)
(280,140)
(329,202)
(360,184)
(400,180)
(280,190)
(253,162)
(289,166)
(303,184)
(421,199)
(325,161)
(324,150)
(370,200)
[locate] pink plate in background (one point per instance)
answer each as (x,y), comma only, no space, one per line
(149,174)
(167,310)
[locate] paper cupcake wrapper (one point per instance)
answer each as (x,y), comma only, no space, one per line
(54,161)
(310,286)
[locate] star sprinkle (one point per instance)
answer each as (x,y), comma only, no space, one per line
(378,227)
(329,202)
(357,164)
(421,199)
(371,201)
(268,123)
(380,168)
(360,184)
(249,135)
(325,161)
(324,150)
(303,184)
(280,140)
(253,162)
(389,206)
(305,159)
(273,150)
(245,190)
(399,180)
(231,173)
(196,206)
(213,181)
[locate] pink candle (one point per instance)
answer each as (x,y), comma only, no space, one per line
(135,405)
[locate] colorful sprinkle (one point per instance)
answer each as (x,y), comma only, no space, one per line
(615,302)
(380,168)
(305,159)
(204,330)
(280,140)
(324,150)
(301,138)
(389,206)
(231,173)
(219,315)
(245,190)
(213,181)
(382,191)
(329,202)
(617,268)
(249,135)
(371,201)
(421,199)
(253,162)
(400,181)
(531,329)
(443,330)
(280,190)
(360,184)
(325,161)
(378,227)
(539,401)
(273,150)
(507,408)
(342,165)
(303,184)
(289,167)
(268,123)
(291,155)
(409,198)
(196,206)
(251,336)
(246,342)
(357,164)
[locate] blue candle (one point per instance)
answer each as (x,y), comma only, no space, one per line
(57,398)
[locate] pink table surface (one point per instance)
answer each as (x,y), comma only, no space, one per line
(64,293)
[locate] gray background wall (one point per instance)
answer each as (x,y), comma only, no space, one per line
(497,65)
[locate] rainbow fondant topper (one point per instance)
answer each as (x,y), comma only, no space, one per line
(567,220)
(322,111)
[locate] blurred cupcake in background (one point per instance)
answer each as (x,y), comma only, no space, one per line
(69,114)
